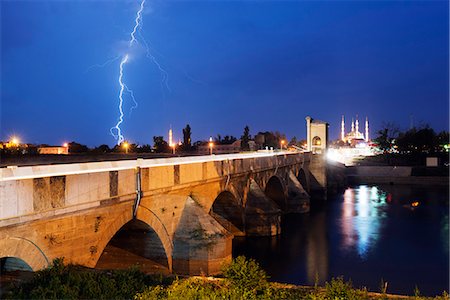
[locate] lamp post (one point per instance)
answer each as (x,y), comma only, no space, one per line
(211,144)
(173,145)
(281,144)
(126,146)
(15,141)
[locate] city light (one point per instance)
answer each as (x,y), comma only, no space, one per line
(126,146)
(211,145)
(281,144)
(65,145)
(15,141)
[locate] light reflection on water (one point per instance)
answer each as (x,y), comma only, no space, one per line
(397,233)
(362,218)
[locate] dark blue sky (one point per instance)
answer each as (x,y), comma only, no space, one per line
(267,64)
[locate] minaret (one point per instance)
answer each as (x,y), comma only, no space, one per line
(357,126)
(353,126)
(367,129)
(342,129)
(170,137)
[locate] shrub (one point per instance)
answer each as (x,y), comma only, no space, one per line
(246,275)
(75,282)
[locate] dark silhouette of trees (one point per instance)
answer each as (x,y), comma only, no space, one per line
(144,149)
(387,135)
(102,149)
(187,143)
(245,138)
(415,140)
(77,148)
(160,145)
(227,140)
(418,140)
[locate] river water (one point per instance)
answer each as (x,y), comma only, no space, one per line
(368,233)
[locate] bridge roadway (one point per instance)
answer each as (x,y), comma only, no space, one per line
(191,206)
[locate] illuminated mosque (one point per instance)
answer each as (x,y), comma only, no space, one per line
(355,137)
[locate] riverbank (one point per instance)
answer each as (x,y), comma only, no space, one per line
(242,279)
(395,175)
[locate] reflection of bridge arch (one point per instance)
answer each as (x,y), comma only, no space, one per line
(25,250)
(275,191)
(228,211)
(145,216)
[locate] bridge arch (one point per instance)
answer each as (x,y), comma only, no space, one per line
(275,190)
(144,217)
(316,141)
(228,211)
(25,250)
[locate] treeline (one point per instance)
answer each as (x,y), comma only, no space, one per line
(416,140)
(246,141)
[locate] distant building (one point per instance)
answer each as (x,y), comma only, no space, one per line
(223,149)
(354,137)
(54,150)
(316,135)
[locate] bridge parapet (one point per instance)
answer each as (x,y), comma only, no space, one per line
(68,187)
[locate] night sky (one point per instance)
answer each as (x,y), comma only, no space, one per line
(266,64)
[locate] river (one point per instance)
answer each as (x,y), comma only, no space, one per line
(368,233)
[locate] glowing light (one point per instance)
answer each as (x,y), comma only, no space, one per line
(415,204)
(210,144)
(126,146)
(15,140)
(65,145)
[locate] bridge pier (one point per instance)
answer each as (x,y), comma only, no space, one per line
(318,177)
(298,198)
(262,215)
(201,244)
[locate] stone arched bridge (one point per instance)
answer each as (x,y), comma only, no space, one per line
(194,205)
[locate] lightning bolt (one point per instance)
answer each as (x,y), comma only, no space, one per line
(116,131)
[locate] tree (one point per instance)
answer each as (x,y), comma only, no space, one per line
(144,149)
(418,140)
(102,149)
(443,140)
(387,135)
(187,138)
(160,144)
(228,139)
(293,141)
(245,138)
(77,148)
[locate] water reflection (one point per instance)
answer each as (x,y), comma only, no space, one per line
(365,234)
(362,218)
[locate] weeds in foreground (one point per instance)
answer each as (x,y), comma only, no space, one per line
(242,279)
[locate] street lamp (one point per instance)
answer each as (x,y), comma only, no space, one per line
(211,144)
(173,145)
(281,144)
(126,146)
(15,141)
